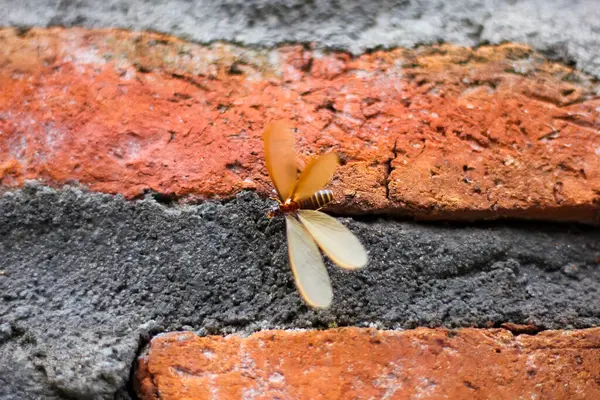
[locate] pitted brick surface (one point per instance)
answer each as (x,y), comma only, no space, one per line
(437,132)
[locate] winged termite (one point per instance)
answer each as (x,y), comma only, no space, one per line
(300,198)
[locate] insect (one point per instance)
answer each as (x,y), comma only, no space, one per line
(300,198)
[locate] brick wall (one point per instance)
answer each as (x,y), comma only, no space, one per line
(141,262)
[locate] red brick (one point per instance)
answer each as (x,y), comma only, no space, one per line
(435,132)
(354,363)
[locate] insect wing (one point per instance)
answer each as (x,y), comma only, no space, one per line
(309,271)
(280,157)
(340,245)
(315,176)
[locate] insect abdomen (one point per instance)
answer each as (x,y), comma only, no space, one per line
(317,200)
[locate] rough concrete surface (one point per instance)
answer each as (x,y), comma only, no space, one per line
(85,276)
(565,29)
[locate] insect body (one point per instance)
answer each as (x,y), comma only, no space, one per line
(315,202)
(300,197)
(318,200)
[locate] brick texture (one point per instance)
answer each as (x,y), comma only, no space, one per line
(354,363)
(438,132)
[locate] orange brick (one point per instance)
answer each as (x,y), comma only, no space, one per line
(354,363)
(438,132)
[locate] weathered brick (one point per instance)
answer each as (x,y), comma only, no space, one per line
(354,363)
(438,132)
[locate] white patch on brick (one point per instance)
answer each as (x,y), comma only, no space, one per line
(425,388)
(276,378)
(389,379)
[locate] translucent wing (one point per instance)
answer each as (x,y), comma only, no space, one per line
(280,157)
(309,271)
(316,175)
(335,239)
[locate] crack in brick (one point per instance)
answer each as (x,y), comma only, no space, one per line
(190,80)
(576,120)
(389,170)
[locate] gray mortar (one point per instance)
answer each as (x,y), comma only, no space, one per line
(566,30)
(85,278)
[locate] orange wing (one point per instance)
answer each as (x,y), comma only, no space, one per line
(280,157)
(315,176)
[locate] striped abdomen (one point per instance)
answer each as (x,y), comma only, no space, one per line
(317,200)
